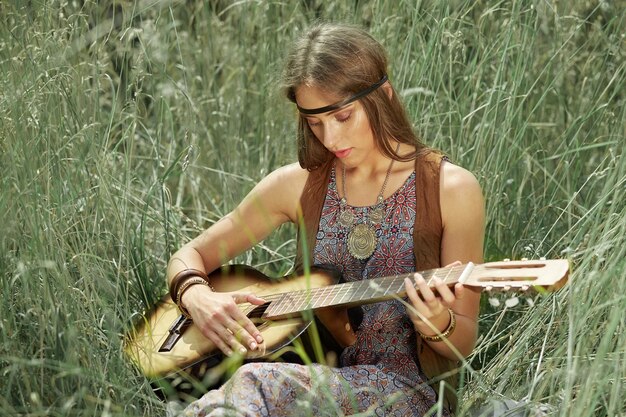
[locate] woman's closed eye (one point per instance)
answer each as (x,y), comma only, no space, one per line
(313,123)
(343,117)
(340,117)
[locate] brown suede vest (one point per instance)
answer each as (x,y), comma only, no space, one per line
(426,244)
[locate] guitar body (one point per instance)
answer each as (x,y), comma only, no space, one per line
(193,353)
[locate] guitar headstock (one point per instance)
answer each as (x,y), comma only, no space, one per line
(549,275)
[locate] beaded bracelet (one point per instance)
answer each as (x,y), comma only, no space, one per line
(445,333)
(180,277)
(184,287)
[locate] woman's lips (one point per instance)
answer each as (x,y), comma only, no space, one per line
(343,153)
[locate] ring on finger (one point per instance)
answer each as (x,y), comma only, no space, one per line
(432,302)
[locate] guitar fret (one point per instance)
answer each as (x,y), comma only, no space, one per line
(389,286)
(373,288)
(466,272)
(300,302)
(434,274)
(313,298)
(282,305)
(327,293)
(335,294)
(345,297)
(445,279)
(310,298)
(427,274)
(305,298)
(401,285)
(364,287)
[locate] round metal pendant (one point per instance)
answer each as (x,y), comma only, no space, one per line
(346,218)
(362,241)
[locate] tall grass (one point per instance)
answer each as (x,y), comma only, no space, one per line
(127,127)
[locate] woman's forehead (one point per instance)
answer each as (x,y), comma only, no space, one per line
(313,97)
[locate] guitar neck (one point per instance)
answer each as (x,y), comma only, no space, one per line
(506,275)
(358,292)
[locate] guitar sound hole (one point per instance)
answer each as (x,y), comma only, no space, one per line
(256,315)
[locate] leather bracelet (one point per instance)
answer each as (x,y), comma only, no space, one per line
(180,277)
(184,287)
(444,334)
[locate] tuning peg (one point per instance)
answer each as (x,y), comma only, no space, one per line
(524,259)
(507,288)
(506,260)
(488,288)
(524,288)
(512,302)
(543,258)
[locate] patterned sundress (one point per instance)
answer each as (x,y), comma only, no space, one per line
(379,375)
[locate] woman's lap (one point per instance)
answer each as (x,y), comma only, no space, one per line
(284,389)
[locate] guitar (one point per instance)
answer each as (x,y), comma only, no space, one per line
(165,343)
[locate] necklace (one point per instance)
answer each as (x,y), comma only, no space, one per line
(362,239)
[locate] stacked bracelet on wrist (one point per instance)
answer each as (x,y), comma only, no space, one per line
(182,281)
(180,277)
(443,335)
(184,287)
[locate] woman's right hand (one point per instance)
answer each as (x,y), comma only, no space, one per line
(219,318)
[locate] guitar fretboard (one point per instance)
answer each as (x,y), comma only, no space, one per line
(370,290)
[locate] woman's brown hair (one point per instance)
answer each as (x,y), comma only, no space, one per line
(343,60)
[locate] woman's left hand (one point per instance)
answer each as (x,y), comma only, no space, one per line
(430,309)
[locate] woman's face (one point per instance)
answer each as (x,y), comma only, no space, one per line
(346,132)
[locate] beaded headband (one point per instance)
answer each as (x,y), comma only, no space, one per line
(342,103)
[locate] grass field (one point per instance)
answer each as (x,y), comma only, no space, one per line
(126,127)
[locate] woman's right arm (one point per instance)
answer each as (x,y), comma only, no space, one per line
(272,202)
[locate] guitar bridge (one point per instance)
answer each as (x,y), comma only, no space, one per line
(175,331)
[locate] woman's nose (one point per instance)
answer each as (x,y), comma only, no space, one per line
(330,135)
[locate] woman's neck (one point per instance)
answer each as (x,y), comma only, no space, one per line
(363,183)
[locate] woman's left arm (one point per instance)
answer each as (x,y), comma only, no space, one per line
(463,218)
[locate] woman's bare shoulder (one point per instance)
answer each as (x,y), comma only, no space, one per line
(455,179)
(461,194)
(281,189)
(462,214)
(288,178)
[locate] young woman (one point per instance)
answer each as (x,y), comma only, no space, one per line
(374,202)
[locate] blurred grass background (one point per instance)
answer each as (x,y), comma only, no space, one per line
(127,127)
